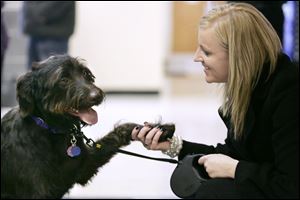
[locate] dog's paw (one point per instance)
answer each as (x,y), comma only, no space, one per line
(123,133)
(168,132)
(167,129)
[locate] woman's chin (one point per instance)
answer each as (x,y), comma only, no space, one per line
(208,80)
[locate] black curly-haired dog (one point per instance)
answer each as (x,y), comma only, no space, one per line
(43,150)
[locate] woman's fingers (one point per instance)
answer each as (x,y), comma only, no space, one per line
(135,132)
(156,137)
(150,135)
(143,132)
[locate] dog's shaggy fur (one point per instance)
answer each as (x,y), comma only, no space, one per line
(55,101)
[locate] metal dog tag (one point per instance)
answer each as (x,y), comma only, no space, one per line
(73,150)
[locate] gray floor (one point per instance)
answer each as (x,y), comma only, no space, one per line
(196,119)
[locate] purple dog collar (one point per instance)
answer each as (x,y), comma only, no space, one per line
(40,122)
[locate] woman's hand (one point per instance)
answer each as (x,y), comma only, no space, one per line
(149,137)
(219,165)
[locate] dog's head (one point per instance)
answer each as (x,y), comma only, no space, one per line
(59,88)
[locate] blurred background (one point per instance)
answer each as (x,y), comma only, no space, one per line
(142,56)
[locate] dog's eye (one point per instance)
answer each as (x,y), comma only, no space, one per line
(64,80)
(88,76)
(85,74)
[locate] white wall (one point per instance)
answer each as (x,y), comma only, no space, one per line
(125,44)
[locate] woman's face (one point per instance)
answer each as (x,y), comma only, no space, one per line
(213,57)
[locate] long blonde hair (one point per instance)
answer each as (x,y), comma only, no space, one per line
(250,41)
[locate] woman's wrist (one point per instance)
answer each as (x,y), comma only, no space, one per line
(175,146)
(233,168)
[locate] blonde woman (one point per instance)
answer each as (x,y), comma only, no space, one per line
(260,156)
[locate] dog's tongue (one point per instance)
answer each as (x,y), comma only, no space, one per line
(89,116)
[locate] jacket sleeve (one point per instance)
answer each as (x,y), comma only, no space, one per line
(196,148)
(279,179)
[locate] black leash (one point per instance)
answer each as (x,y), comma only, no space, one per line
(147,157)
(91,143)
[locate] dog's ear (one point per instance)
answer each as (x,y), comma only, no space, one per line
(25,95)
(35,66)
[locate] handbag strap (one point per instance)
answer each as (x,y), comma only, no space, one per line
(147,157)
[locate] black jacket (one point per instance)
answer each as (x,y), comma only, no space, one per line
(49,18)
(268,153)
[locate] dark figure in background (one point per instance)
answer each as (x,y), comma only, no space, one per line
(272,10)
(49,24)
(4,39)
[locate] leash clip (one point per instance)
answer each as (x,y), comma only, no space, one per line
(90,142)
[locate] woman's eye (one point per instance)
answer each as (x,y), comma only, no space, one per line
(206,53)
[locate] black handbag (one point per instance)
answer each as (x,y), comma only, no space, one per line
(188,176)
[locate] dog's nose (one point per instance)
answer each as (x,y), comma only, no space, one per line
(96,95)
(93,94)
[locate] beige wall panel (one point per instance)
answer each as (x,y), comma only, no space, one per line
(185,23)
(186,17)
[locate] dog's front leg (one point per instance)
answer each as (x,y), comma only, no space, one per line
(118,137)
(104,150)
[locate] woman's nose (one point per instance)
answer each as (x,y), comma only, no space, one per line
(197,56)
(198,59)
